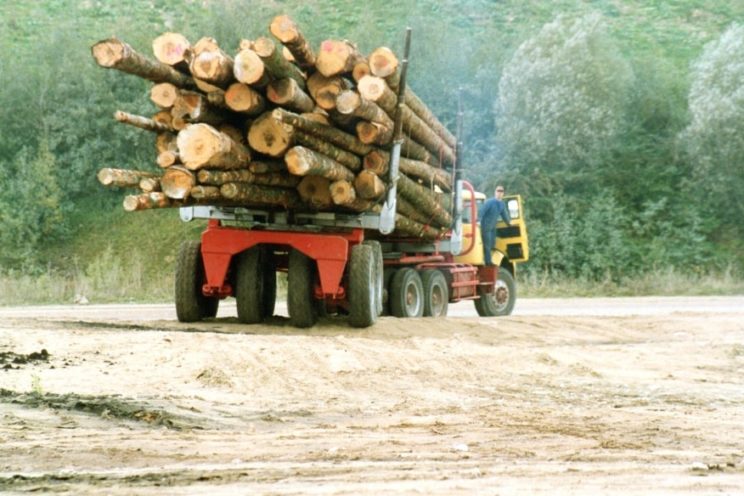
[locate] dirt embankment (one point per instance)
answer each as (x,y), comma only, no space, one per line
(533,404)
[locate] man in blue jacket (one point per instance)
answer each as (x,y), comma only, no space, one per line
(490,212)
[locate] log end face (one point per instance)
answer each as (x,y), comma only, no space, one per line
(171,48)
(197,143)
(383,62)
(348,101)
(108,53)
(284,28)
(332,58)
(269,136)
(248,67)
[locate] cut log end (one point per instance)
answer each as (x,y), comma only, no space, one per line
(383,62)
(269,135)
(109,52)
(171,48)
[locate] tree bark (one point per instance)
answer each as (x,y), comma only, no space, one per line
(369,186)
(424,200)
(414,151)
(287,93)
(337,57)
(115,54)
(347,159)
(217,98)
(405,208)
(146,201)
(172,49)
(317,115)
(141,122)
(328,133)
(324,90)
(122,178)
(315,192)
(302,161)
(251,194)
(211,64)
(264,167)
(219,177)
(177,182)
(419,131)
(200,145)
(404,226)
(242,98)
(164,95)
(275,63)
(378,161)
(270,136)
(167,158)
(351,103)
(427,116)
(149,184)
(250,69)
(206,193)
(286,31)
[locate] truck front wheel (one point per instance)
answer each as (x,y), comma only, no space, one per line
(191,304)
(406,294)
(363,286)
(303,309)
(501,300)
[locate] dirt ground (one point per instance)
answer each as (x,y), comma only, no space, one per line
(627,396)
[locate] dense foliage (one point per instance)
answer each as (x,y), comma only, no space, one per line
(620,123)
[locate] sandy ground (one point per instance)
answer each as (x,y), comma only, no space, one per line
(587,396)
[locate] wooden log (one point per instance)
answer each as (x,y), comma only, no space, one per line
(351,103)
(317,115)
(252,194)
(315,192)
(211,64)
(414,151)
(372,133)
(149,184)
(179,123)
(344,122)
(345,158)
(376,90)
(177,182)
(328,133)
(343,194)
(287,93)
(201,145)
(206,193)
(233,132)
(172,49)
(378,162)
(424,200)
(324,90)
(141,122)
(360,70)
(275,63)
(146,201)
(265,166)
(423,134)
(383,63)
(286,31)
(167,158)
(204,86)
(115,54)
(217,98)
(164,117)
(219,177)
(302,161)
(405,208)
(369,186)
(269,135)
(164,95)
(337,57)
(122,178)
(194,107)
(405,226)
(245,44)
(250,69)
(242,98)
(166,142)
(420,109)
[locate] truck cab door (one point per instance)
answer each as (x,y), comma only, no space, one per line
(512,240)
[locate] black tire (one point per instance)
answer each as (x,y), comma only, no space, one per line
(249,285)
(363,286)
(303,309)
(191,304)
(501,300)
(436,293)
(269,286)
(379,273)
(387,277)
(406,294)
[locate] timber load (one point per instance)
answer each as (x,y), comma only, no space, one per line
(278,124)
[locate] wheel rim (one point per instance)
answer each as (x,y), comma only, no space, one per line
(500,296)
(437,301)
(413,299)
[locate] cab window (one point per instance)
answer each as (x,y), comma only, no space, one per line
(466,210)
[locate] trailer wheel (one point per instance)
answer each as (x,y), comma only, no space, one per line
(249,285)
(501,301)
(303,309)
(387,277)
(191,304)
(269,286)
(363,286)
(379,273)
(406,294)
(436,293)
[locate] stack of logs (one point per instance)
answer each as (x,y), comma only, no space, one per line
(282,126)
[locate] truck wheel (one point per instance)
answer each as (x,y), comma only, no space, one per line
(363,286)
(303,309)
(436,294)
(387,277)
(249,285)
(406,294)
(269,287)
(379,270)
(191,304)
(501,301)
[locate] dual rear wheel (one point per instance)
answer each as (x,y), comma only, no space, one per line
(415,293)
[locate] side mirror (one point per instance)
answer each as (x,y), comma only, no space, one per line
(513,206)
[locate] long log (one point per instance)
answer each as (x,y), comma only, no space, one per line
(211,64)
(164,95)
(115,54)
(324,90)
(315,192)
(206,193)
(287,93)
(275,63)
(302,161)
(404,207)
(269,135)
(351,103)
(250,69)
(146,201)
(326,132)
(200,145)
(422,133)
(337,57)
(194,107)
(427,116)
(122,178)
(242,98)
(345,158)
(141,122)
(424,200)
(251,194)
(369,186)
(177,182)
(405,226)
(172,49)
(219,177)
(317,115)
(378,162)
(286,31)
